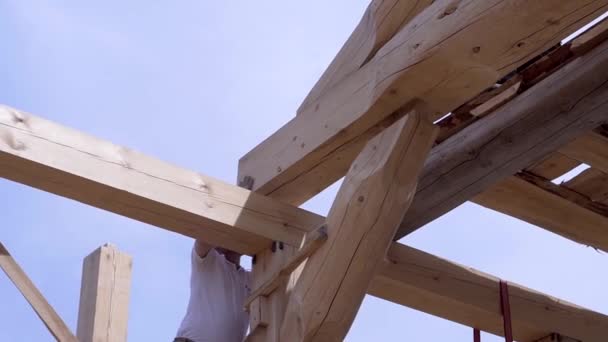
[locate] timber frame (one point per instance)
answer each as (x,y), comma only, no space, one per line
(429,104)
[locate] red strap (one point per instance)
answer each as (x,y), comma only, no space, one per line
(476,335)
(506,311)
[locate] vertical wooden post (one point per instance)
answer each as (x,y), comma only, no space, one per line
(266,312)
(104,296)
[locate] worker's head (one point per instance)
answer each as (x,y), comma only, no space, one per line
(231,256)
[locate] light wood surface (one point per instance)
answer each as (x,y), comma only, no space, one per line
(551,207)
(562,107)
(34,297)
(63,161)
(380,22)
(103,312)
(444,56)
(361,223)
(461,294)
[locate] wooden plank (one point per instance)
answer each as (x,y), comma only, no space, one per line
(591,183)
(551,207)
(104,296)
(361,223)
(380,22)
(591,149)
(461,294)
(47,156)
(447,54)
(554,165)
(560,108)
(55,325)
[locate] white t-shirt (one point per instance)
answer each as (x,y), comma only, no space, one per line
(217,293)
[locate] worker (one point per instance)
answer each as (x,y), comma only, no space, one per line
(218,289)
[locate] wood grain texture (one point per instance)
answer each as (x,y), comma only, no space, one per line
(461,294)
(55,325)
(380,22)
(591,183)
(554,165)
(447,54)
(47,156)
(591,149)
(366,212)
(103,312)
(570,102)
(551,207)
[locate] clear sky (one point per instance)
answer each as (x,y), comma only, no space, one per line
(198,84)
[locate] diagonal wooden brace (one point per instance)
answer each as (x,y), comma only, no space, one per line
(312,242)
(372,200)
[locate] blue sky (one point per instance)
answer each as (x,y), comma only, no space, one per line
(198,84)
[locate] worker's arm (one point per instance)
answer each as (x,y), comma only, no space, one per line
(202,248)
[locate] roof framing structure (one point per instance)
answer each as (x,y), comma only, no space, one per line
(522,109)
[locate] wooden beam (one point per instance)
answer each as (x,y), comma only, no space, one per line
(591,149)
(442,288)
(274,280)
(47,156)
(549,206)
(55,325)
(380,22)
(444,56)
(362,221)
(554,112)
(104,296)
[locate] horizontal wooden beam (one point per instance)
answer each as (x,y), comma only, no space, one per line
(447,54)
(34,297)
(549,206)
(47,156)
(442,288)
(555,111)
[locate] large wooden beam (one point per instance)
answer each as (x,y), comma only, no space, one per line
(47,156)
(63,179)
(43,309)
(361,223)
(442,288)
(549,206)
(380,22)
(104,296)
(554,112)
(447,54)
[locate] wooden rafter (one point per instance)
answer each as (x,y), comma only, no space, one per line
(34,297)
(444,56)
(361,223)
(550,206)
(442,288)
(555,111)
(380,22)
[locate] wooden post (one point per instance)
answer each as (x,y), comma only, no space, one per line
(43,309)
(104,296)
(377,191)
